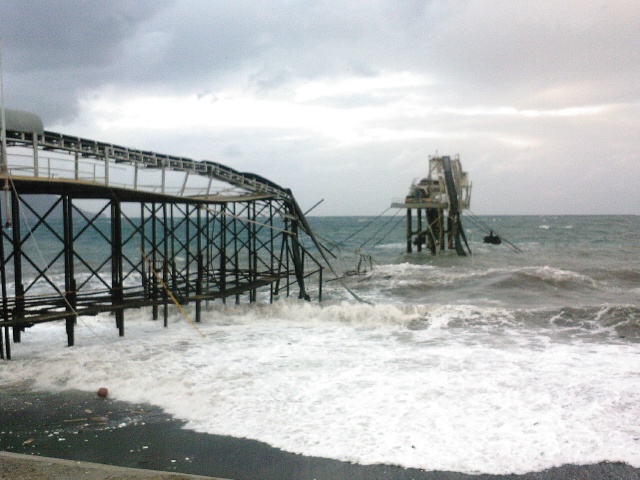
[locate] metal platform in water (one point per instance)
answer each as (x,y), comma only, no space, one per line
(442,195)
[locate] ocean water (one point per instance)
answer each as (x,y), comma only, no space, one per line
(502,362)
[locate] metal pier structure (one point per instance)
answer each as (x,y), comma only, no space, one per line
(90,227)
(440,197)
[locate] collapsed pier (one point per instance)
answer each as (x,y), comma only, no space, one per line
(89,227)
(441,197)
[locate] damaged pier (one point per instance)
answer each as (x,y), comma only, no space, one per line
(90,227)
(442,196)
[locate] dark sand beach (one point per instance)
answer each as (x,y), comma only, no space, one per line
(81,426)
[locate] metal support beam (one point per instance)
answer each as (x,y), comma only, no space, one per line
(154,258)
(69,275)
(4,342)
(18,309)
(117,298)
(219,251)
(165,266)
(409,230)
(419,237)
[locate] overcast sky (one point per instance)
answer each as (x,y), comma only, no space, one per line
(345,100)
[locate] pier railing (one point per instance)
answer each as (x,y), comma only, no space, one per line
(55,155)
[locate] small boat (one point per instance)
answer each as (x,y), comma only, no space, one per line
(492,239)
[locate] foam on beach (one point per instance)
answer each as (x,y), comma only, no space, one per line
(417,386)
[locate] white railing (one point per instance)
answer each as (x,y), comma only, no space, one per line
(113,165)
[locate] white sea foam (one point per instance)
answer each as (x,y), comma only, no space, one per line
(361,383)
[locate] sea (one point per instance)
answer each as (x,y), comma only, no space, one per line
(518,358)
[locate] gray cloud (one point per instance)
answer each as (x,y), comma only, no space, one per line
(53,49)
(500,80)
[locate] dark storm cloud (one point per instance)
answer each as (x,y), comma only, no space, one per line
(529,92)
(272,42)
(53,49)
(486,52)
(518,54)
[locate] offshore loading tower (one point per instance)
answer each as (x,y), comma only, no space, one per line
(442,196)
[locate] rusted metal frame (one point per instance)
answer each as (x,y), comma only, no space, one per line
(296,250)
(187,252)
(264,246)
(209,227)
(215,242)
(95,309)
(232,252)
(290,258)
(165,265)
(409,231)
(180,273)
(91,309)
(182,237)
(134,236)
(41,222)
(18,309)
(236,255)
(148,252)
(154,258)
(199,262)
(283,259)
(117,298)
(41,272)
(320,272)
(94,271)
(91,224)
(41,218)
(243,241)
(143,246)
(299,258)
(432,232)
(179,231)
(304,253)
(442,229)
(194,243)
(252,249)
(283,268)
(171,257)
(69,271)
(419,243)
(271,248)
(5,342)
(223,251)
(242,246)
(311,273)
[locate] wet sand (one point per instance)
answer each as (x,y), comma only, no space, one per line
(83,427)
(15,466)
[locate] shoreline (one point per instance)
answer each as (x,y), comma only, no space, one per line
(80,426)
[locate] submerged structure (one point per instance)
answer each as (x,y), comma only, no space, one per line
(162,230)
(438,200)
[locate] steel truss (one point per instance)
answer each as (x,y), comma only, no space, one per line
(64,263)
